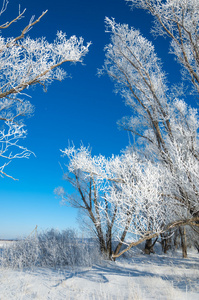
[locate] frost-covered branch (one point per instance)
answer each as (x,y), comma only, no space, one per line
(179,20)
(157,189)
(25,62)
(189,222)
(144,197)
(166,127)
(7,24)
(9,147)
(139,193)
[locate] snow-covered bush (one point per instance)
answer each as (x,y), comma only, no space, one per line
(50,249)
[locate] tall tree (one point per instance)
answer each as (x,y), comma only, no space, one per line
(166,126)
(155,188)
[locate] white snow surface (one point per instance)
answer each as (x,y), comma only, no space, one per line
(168,277)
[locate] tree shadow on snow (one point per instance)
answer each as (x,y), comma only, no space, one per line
(154,266)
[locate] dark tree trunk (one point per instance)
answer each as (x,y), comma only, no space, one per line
(165,242)
(182,231)
(105,244)
(149,244)
(102,244)
(175,241)
(196,244)
(109,242)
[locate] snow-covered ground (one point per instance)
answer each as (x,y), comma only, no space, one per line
(141,277)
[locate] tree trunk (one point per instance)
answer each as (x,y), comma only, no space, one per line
(196,244)
(119,246)
(149,244)
(182,231)
(175,242)
(102,244)
(165,242)
(109,242)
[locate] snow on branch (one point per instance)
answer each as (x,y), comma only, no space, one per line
(143,193)
(9,147)
(179,20)
(25,62)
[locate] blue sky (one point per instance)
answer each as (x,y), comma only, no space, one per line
(83,108)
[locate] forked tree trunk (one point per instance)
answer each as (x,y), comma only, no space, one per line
(148,247)
(105,244)
(119,245)
(123,236)
(182,231)
(149,244)
(166,242)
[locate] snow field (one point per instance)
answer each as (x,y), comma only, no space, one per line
(142,277)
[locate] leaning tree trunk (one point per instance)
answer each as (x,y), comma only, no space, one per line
(183,237)
(119,245)
(123,236)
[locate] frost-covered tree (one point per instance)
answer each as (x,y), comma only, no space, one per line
(98,215)
(158,189)
(132,194)
(177,19)
(165,125)
(25,62)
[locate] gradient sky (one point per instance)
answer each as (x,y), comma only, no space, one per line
(83,108)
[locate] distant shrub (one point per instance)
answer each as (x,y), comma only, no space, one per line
(51,249)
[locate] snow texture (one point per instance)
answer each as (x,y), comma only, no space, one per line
(139,277)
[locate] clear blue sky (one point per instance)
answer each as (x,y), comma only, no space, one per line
(83,108)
